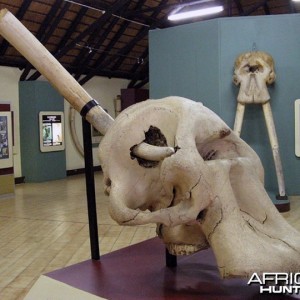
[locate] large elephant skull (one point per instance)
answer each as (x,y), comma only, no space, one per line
(175,163)
(253,71)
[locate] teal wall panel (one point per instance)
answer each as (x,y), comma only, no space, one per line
(212,47)
(37,166)
(183,63)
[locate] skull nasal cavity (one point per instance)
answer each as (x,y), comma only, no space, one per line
(253,69)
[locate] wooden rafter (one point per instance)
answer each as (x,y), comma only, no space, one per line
(117,45)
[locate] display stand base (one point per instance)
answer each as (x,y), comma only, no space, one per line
(282,203)
(139,272)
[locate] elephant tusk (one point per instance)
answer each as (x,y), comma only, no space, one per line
(151,152)
(25,42)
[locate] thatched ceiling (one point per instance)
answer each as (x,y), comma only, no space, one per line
(89,42)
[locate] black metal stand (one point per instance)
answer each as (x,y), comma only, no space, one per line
(90,189)
(171,260)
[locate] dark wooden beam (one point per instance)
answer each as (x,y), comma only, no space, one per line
(266,8)
(94,41)
(87,31)
(71,29)
(123,52)
(66,37)
(148,10)
(144,58)
(82,65)
(19,15)
(14,62)
(139,70)
(42,34)
(142,83)
(229,8)
(255,7)
(239,7)
(111,44)
(120,54)
(138,37)
(141,76)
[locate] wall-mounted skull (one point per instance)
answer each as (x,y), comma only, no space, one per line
(253,71)
(175,163)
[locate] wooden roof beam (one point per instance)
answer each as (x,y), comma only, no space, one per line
(20,14)
(82,65)
(43,35)
(85,33)
(140,36)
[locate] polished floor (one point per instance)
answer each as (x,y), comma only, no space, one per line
(44,227)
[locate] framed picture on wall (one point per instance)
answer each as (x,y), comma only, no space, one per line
(297,127)
(51,125)
(6,141)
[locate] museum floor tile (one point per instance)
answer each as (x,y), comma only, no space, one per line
(44,227)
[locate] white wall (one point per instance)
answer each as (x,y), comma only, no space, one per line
(102,89)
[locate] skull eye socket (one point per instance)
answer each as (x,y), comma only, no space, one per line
(216,147)
(210,155)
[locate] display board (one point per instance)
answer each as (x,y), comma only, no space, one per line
(51,131)
(6,142)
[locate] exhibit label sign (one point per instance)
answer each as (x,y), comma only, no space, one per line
(51,131)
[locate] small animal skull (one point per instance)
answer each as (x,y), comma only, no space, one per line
(253,71)
(175,163)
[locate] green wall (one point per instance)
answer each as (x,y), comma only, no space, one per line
(196,61)
(37,166)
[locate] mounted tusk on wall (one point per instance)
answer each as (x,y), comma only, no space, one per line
(151,152)
(25,42)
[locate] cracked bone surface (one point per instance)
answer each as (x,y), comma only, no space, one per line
(209,192)
(253,71)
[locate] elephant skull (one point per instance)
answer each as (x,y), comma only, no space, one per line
(175,163)
(253,71)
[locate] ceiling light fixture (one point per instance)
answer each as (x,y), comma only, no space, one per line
(194,9)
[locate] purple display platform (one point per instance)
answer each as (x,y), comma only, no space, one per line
(139,272)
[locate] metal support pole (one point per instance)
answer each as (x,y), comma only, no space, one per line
(90,189)
(171,260)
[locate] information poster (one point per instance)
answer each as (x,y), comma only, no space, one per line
(6,159)
(4,154)
(51,131)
